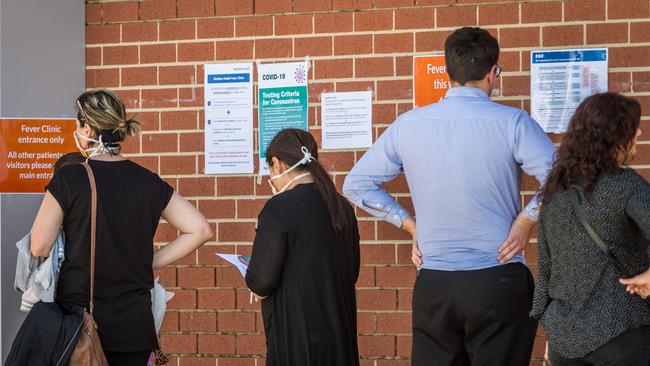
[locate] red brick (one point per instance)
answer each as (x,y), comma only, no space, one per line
(170,322)
(102,78)
(628,9)
(102,33)
(216,298)
(217,209)
(377,253)
(352,4)
(120,12)
(236,321)
(498,14)
(273,48)
(641,81)
(178,120)
(393,3)
(157,9)
(365,322)
(236,231)
(254,26)
(415,18)
(584,10)
(190,97)
(215,28)
(333,22)
(193,277)
(404,345)
(376,66)
(337,161)
(159,98)
(174,165)
(330,69)
(373,21)
(394,89)
(307,6)
(191,142)
(293,24)
(196,186)
(564,35)
(640,32)
(510,60)
(195,8)
(216,344)
(540,12)
(198,322)
(132,76)
(196,51)
(120,55)
(376,299)
(273,6)
(183,299)
(395,323)
(151,163)
(383,113)
(456,16)
(516,86)
(393,43)
(607,33)
(178,343)
(238,361)
(376,345)
(434,2)
(312,46)
(93,56)
(352,45)
(157,53)
(519,37)
(251,344)
(234,7)
(139,32)
(629,56)
(235,50)
(173,75)
(177,30)
(396,276)
(430,41)
(93,13)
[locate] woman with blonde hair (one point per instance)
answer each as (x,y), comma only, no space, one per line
(130,202)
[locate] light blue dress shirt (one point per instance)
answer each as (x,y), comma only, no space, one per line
(462,158)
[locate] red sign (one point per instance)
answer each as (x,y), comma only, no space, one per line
(430,79)
(28,150)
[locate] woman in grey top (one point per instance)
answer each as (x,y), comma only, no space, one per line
(588,317)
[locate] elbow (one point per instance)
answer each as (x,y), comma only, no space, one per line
(205,232)
(39,250)
(258,286)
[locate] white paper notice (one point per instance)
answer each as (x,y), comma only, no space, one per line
(237,260)
(561,80)
(228,118)
(347,120)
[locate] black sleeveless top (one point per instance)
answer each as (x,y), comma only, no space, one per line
(130,200)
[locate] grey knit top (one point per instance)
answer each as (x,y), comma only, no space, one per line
(578,298)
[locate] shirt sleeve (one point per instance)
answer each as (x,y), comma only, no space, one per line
(535,153)
(638,206)
(380,164)
(58,188)
(166,193)
(269,251)
(541,297)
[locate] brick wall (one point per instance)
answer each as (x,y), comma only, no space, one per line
(152,52)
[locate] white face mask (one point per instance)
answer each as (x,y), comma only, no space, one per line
(307,158)
(93,151)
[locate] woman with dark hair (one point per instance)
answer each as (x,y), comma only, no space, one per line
(590,200)
(305,260)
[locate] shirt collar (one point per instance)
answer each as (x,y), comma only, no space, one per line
(466,91)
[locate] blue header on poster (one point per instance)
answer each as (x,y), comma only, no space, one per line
(228,78)
(544,57)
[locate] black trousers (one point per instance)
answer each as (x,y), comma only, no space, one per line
(631,348)
(127,358)
(477,318)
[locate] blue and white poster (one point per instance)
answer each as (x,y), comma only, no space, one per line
(561,80)
(228,90)
(282,102)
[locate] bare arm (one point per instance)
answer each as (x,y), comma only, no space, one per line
(195,230)
(46,226)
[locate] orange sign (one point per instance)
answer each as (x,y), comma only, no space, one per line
(28,149)
(430,79)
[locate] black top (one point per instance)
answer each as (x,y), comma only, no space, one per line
(130,200)
(578,297)
(309,275)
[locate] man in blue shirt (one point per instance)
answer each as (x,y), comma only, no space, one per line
(463,158)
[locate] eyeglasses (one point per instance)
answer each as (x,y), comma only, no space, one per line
(497,71)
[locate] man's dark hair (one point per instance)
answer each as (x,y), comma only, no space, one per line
(470,53)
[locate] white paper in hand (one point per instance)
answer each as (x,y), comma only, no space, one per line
(237,260)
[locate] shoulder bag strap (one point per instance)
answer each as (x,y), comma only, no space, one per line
(93,233)
(573,197)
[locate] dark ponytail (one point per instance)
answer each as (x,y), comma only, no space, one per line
(286,146)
